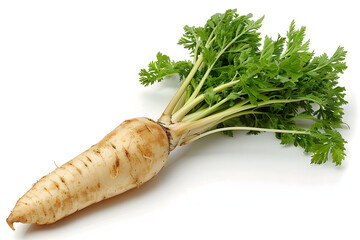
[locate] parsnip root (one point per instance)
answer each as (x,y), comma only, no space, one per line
(127,157)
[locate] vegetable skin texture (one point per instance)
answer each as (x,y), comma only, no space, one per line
(127,157)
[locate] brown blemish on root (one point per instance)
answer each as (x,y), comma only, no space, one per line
(146,156)
(127,154)
(57,204)
(75,197)
(144,130)
(114,172)
(62,180)
(145,151)
(77,169)
(47,190)
(89,159)
(56,184)
(43,209)
(33,213)
(146,126)
(159,133)
(38,201)
(84,194)
(113,146)
(54,213)
(84,163)
(98,152)
(67,169)
(67,202)
(93,189)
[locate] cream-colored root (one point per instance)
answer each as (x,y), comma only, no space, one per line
(127,157)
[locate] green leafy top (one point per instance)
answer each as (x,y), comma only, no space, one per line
(163,67)
(236,83)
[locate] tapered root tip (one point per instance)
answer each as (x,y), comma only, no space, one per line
(10,221)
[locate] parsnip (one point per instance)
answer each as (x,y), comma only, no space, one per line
(230,85)
(127,157)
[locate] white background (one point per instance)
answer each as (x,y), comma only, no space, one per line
(69,75)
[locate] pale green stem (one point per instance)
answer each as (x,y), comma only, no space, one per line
(214,107)
(318,68)
(187,117)
(207,111)
(196,50)
(237,115)
(195,131)
(232,110)
(201,83)
(243,129)
(179,115)
(170,107)
(208,42)
(180,103)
